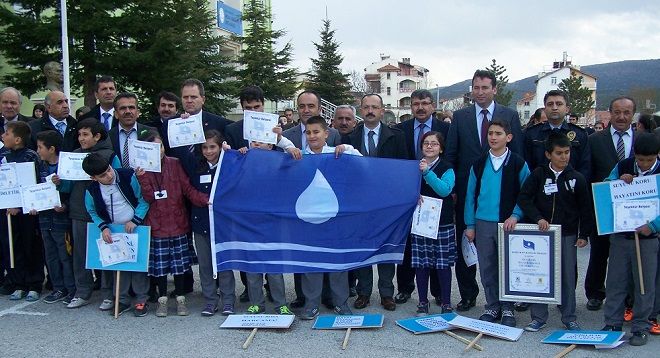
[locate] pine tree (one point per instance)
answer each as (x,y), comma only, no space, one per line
(580,100)
(503,95)
(326,77)
(261,64)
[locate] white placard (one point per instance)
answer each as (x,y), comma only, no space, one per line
(641,187)
(145,155)
(12,177)
(631,214)
(258,321)
(348,321)
(426,218)
(434,323)
(69,166)
(469,251)
(182,132)
(582,337)
(40,197)
(258,127)
(112,253)
(487,328)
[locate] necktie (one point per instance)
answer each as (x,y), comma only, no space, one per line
(61,127)
(106,121)
(420,134)
(125,163)
(620,146)
(484,127)
(372,144)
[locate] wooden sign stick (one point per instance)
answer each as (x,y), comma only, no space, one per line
(639,265)
(348,334)
(464,340)
(249,339)
(473,342)
(10,232)
(566,351)
(117,294)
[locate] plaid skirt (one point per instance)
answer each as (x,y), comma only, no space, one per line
(170,255)
(436,254)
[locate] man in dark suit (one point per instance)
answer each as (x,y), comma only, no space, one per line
(167,107)
(344,119)
(608,147)
(105,92)
(127,113)
(57,118)
(10,107)
(309,104)
(466,142)
(375,139)
(251,99)
(422,107)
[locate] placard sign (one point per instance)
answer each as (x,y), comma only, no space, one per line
(487,328)
(349,321)
(427,324)
(258,321)
(138,260)
(600,339)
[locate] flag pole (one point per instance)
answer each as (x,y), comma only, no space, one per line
(65,51)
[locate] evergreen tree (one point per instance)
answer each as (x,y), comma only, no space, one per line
(579,97)
(326,77)
(146,46)
(262,65)
(503,95)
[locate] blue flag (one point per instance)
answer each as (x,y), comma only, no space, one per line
(528,244)
(274,214)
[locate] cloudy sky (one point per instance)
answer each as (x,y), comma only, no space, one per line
(453,38)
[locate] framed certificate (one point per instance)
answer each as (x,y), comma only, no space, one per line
(530,264)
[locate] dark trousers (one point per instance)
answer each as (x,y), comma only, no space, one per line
(28,271)
(466,277)
(594,282)
(405,275)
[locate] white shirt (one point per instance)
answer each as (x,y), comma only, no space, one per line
(491,109)
(497,161)
(348,149)
(366,136)
(556,173)
(627,139)
(54,121)
(119,209)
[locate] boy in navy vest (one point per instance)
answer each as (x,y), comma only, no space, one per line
(115,197)
(558,194)
(622,272)
(492,192)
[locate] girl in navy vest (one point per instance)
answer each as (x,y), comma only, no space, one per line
(440,253)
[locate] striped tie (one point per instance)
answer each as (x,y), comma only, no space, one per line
(620,146)
(125,162)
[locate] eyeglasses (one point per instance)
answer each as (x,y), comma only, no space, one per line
(430,144)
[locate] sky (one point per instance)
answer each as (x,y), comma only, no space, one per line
(454,38)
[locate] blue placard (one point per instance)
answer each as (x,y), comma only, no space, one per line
(427,324)
(229,18)
(349,321)
(605,338)
(604,206)
(144,243)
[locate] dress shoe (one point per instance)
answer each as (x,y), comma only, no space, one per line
(465,304)
(594,304)
(299,302)
(401,298)
(388,303)
(361,302)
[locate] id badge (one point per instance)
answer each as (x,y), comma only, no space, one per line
(159,195)
(550,188)
(205,179)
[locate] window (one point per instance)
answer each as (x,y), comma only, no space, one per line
(526,115)
(389,90)
(553,80)
(388,75)
(526,103)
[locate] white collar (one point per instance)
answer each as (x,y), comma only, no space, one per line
(493,156)
(556,173)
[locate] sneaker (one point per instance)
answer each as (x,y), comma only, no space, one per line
(32,296)
(508,319)
(244,297)
(343,310)
(140,310)
(77,302)
(521,306)
(422,309)
(256,309)
(284,310)
(181,309)
(446,308)
(68,298)
(608,327)
(655,327)
(534,326)
(122,308)
(572,326)
(106,305)
(54,297)
(17,295)
(209,310)
(638,339)
(228,309)
(490,316)
(161,309)
(310,314)
(628,314)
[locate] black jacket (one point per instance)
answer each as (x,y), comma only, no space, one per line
(70,140)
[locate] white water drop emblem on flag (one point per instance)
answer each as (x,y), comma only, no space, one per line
(318,202)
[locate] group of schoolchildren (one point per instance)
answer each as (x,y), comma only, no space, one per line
(501,189)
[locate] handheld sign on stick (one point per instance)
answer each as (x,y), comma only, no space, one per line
(639,265)
(434,323)
(255,322)
(117,294)
(349,322)
(599,339)
(11,241)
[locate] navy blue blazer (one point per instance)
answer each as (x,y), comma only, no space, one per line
(408,128)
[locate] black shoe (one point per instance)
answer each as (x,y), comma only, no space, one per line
(122,308)
(508,319)
(465,304)
(611,328)
(401,297)
(490,316)
(299,302)
(327,302)
(594,304)
(521,306)
(244,297)
(638,339)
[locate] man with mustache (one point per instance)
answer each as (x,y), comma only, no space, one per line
(127,113)
(105,92)
(344,119)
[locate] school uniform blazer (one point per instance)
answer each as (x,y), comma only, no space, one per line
(70,140)
(408,128)
(114,137)
(234,135)
(603,154)
(391,142)
(294,134)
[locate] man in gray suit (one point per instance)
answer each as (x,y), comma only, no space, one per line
(608,147)
(466,141)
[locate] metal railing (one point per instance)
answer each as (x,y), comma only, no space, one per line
(328,111)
